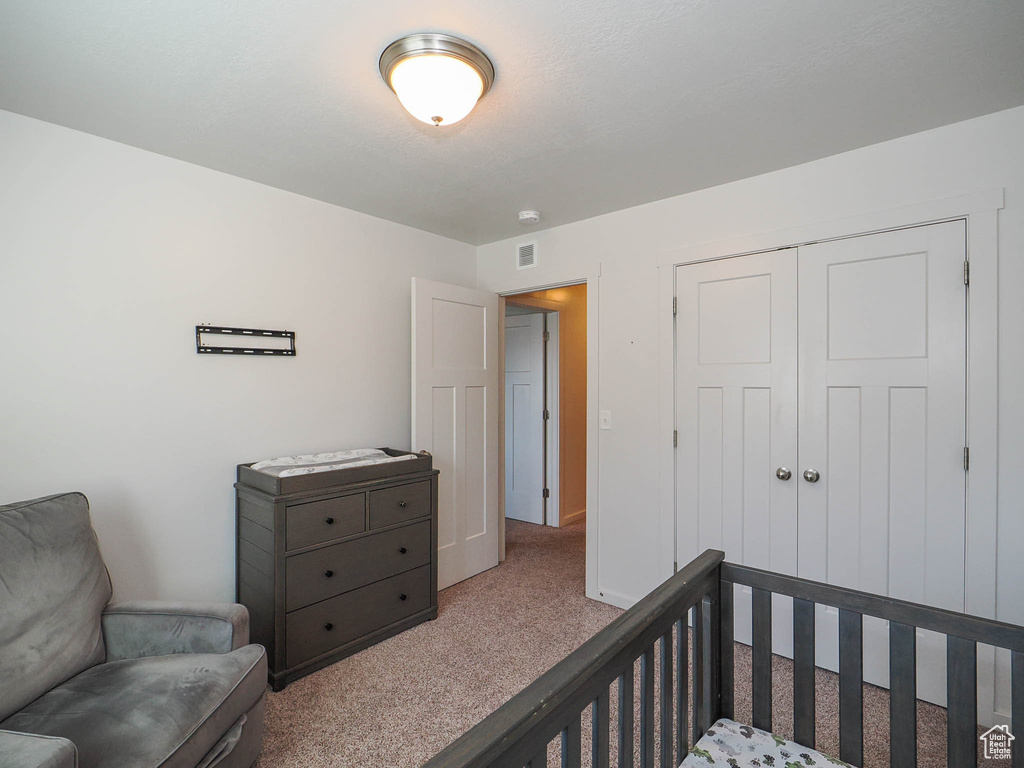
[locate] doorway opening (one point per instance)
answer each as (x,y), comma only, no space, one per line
(544,443)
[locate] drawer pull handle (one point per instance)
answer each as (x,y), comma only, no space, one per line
(328,574)
(329,521)
(401,503)
(328,626)
(402,550)
(403,597)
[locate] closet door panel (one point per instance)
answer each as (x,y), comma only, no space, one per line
(736,413)
(882,372)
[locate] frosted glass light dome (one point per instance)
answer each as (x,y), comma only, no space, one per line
(437,78)
(437,89)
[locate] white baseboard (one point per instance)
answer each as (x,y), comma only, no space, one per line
(573,518)
(613,598)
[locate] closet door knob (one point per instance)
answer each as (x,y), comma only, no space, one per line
(402,597)
(328,626)
(328,574)
(783,473)
(402,550)
(401,503)
(329,521)
(811,475)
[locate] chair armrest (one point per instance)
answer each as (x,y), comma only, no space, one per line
(153,628)
(29,750)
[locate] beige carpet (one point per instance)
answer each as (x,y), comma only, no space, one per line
(398,703)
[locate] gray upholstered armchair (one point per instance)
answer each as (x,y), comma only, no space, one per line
(85,683)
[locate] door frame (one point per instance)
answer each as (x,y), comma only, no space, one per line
(520,282)
(552,398)
(980,212)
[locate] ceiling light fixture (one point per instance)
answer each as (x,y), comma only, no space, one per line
(438,78)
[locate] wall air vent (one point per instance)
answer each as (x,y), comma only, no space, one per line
(526,255)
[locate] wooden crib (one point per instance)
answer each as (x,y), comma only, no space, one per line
(518,733)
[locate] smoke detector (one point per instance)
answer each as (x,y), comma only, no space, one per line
(529,217)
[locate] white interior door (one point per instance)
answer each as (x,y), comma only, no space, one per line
(455,380)
(524,417)
(736,403)
(883,424)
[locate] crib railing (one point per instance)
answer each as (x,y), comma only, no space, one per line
(655,632)
(963,633)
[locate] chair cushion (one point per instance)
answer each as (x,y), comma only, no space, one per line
(733,745)
(53,586)
(165,711)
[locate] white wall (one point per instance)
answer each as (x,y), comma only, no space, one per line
(109,256)
(973,156)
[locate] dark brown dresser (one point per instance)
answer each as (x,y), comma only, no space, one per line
(329,563)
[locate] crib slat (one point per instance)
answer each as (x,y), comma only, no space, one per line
(540,761)
(572,744)
(803,671)
(961,701)
(902,694)
(727,702)
(698,669)
(626,719)
(1017,704)
(682,680)
(851,687)
(647,708)
(709,663)
(665,683)
(601,719)
(762,658)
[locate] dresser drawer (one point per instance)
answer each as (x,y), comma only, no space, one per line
(319,628)
(398,504)
(318,521)
(322,573)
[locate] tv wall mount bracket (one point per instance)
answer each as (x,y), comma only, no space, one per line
(212,331)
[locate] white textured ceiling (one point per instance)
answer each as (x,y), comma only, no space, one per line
(597,104)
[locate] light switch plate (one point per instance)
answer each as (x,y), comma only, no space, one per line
(606,419)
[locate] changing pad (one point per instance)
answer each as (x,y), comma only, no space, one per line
(728,743)
(289,466)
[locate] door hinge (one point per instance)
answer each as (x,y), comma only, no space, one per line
(967,459)
(675,305)
(547,414)
(675,438)
(675,567)
(547,335)
(547,493)
(967,273)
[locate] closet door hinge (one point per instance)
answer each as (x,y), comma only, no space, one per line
(547,493)
(675,438)
(547,335)
(547,414)
(675,305)
(967,459)
(967,273)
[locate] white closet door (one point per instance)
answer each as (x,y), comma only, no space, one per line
(455,380)
(524,417)
(736,403)
(882,421)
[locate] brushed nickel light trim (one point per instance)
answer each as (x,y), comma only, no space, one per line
(425,43)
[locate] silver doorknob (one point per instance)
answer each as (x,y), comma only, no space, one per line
(783,473)
(811,475)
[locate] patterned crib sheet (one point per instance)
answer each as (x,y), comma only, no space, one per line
(733,745)
(289,466)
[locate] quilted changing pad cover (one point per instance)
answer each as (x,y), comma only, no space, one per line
(733,745)
(289,466)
